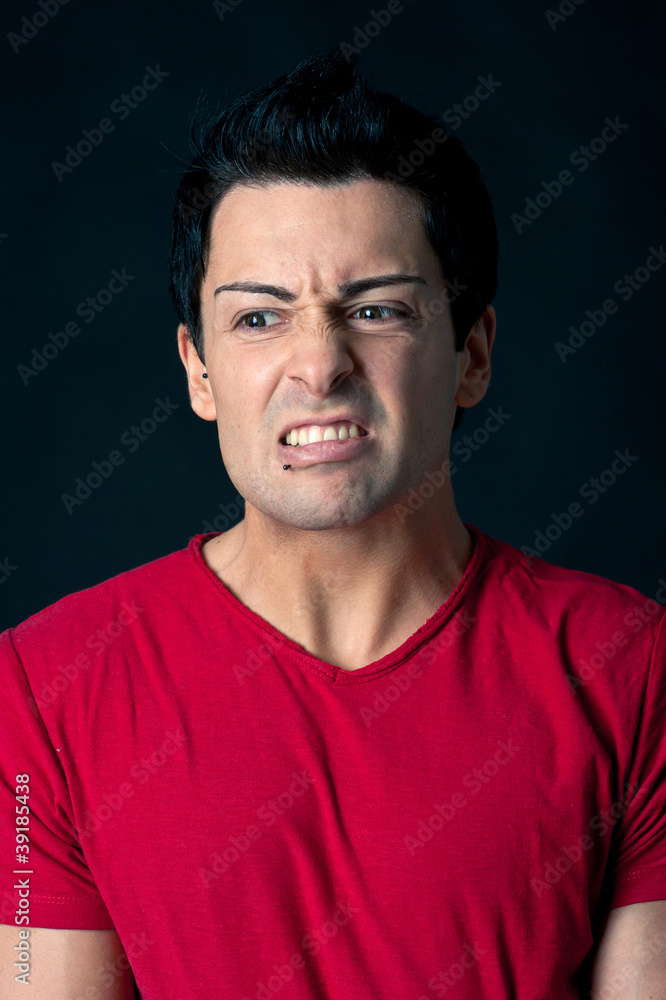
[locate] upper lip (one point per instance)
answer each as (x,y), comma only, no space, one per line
(321,421)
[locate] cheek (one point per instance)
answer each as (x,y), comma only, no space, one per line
(427,391)
(392,369)
(416,374)
(243,394)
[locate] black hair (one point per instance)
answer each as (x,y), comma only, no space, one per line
(323,124)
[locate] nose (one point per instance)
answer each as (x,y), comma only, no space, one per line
(320,359)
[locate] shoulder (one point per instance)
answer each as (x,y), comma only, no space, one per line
(558,596)
(84,619)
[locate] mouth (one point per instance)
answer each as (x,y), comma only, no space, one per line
(310,444)
(303,435)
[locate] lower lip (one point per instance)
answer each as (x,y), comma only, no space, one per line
(301,455)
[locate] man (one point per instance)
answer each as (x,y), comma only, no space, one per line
(353,746)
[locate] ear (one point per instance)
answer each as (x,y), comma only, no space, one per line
(201,395)
(474,360)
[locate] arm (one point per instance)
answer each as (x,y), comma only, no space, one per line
(630,958)
(66,963)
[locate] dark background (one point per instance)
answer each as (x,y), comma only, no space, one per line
(61,239)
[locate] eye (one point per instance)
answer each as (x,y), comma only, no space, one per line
(252,325)
(370,308)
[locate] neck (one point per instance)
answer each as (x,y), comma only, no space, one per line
(348,595)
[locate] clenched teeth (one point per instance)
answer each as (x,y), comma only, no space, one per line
(325,432)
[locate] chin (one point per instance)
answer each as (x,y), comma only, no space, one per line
(306,514)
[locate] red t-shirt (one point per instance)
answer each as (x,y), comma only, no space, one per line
(254,821)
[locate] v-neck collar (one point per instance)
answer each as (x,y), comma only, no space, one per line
(333,673)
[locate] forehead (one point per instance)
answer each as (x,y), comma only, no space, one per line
(301,228)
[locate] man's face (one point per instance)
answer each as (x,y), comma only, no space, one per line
(382,357)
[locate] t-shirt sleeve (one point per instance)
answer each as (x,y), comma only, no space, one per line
(637,862)
(54,885)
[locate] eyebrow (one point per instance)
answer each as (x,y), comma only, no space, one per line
(347,289)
